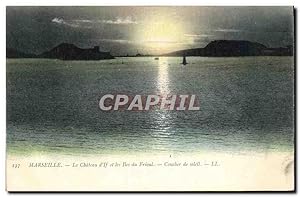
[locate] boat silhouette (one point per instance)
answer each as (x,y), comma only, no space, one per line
(184,60)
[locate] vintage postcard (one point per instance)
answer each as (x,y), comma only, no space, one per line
(140,98)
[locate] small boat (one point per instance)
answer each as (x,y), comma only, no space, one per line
(184,61)
(156,58)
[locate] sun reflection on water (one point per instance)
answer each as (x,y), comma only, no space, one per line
(163,76)
(163,118)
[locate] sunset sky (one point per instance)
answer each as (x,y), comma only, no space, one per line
(148,30)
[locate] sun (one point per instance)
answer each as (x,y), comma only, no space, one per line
(162,35)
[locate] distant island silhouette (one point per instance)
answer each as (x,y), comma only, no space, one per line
(64,51)
(234,48)
(217,48)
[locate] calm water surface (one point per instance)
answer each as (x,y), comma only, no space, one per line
(245,104)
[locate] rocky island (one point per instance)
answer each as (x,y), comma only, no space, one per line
(234,48)
(64,51)
(67,51)
(217,48)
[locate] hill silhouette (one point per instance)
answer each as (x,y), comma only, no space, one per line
(67,51)
(63,51)
(232,48)
(217,48)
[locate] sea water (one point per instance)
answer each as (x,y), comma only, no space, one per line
(246,104)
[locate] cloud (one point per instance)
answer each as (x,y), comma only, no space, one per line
(83,21)
(121,41)
(58,20)
(86,23)
(198,38)
(63,22)
(161,42)
(198,35)
(228,30)
(119,21)
(138,42)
